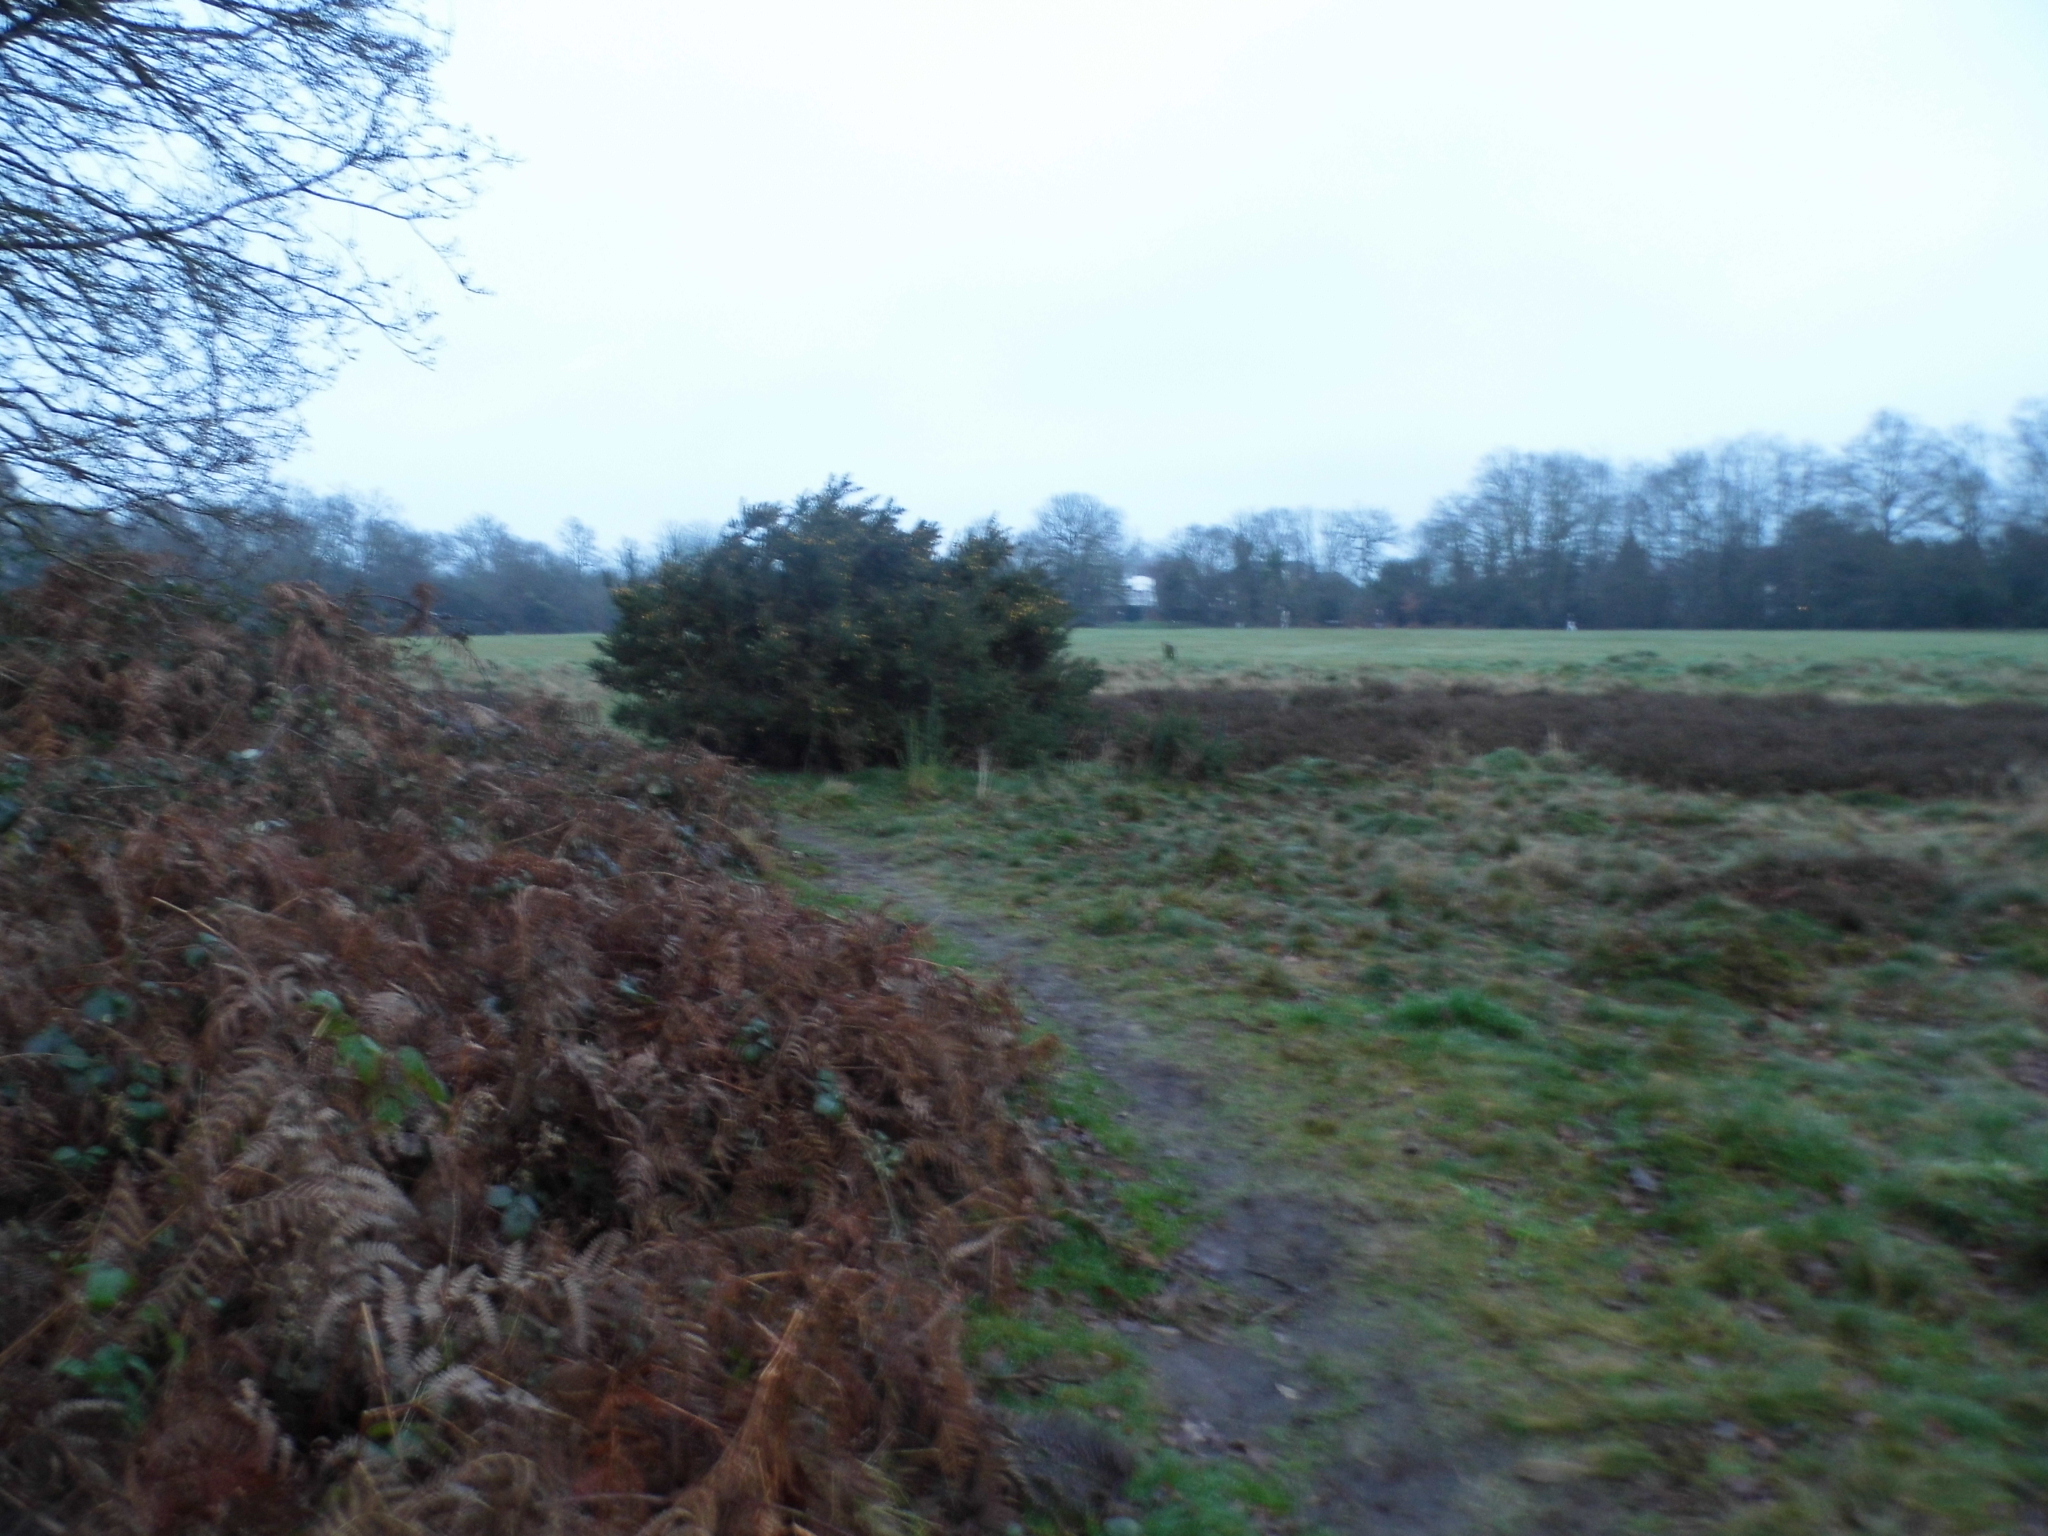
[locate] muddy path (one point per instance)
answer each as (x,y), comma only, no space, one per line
(1299,1351)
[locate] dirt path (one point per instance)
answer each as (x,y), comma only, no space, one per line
(1278,1254)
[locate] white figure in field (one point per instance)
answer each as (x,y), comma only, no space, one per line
(1571,623)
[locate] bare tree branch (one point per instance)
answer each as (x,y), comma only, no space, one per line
(183,189)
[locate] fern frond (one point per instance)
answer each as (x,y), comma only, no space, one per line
(464,1383)
(123,1227)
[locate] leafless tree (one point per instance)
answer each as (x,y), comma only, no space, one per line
(579,543)
(1961,492)
(2026,479)
(680,541)
(1283,534)
(1759,482)
(1355,543)
(1889,478)
(189,194)
(1078,541)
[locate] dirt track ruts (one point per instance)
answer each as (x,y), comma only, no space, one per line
(1393,1469)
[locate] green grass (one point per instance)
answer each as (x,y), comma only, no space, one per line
(1849,663)
(1737,1211)
(552,664)
(1128,643)
(1916,664)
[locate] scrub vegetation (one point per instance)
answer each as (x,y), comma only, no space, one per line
(421,1116)
(826,634)
(423,1111)
(1698,1135)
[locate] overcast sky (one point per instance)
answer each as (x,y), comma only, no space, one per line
(1199,258)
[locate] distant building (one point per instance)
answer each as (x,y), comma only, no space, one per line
(1141,597)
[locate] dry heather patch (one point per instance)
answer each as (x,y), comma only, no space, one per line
(1749,744)
(410,1121)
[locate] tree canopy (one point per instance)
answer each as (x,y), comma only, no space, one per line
(827,634)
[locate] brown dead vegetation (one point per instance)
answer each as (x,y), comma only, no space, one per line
(1749,744)
(412,1120)
(1857,893)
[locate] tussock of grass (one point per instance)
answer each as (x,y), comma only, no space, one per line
(1702,1138)
(1461,1008)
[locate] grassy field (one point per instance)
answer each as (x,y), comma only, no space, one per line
(551,664)
(1848,663)
(1696,1140)
(1919,664)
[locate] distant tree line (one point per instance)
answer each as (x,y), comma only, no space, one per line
(1279,566)
(1904,527)
(485,578)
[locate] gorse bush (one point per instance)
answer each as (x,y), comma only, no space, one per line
(827,635)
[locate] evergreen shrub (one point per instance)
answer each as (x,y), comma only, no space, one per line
(826,635)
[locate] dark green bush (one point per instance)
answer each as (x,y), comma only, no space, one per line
(827,635)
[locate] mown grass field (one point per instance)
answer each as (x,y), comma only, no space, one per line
(1848,663)
(1696,1141)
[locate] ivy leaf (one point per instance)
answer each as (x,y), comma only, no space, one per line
(518,1214)
(420,1075)
(756,1041)
(71,1056)
(113,1372)
(103,1005)
(364,1055)
(72,1160)
(106,1285)
(829,1102)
